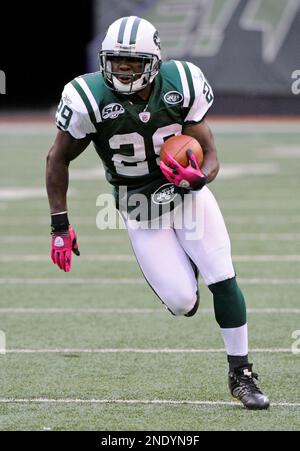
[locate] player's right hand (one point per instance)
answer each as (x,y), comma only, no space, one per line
(190,177)
(63,243)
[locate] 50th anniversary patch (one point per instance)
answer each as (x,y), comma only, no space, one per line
(112,111)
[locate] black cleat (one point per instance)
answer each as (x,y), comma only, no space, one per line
(242,385)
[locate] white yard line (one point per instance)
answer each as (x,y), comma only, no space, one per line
(23,193)
(20,193)
(35,239)
(130,311)
(266,258)
(131,258)
(117,237)
(100,311)
(128,281)
(260,204)
(23,126)
(25,220)
(140,351)
(256,127)
(84,258)
(70,281)
(280,219)
(135,401)
(28,129)
(231,171)
(267,281)
(265,236)
(33,258)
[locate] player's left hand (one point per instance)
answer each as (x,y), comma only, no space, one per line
(63,243)
(190,177)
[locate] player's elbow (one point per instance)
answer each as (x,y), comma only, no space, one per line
(216,168)
(213,172)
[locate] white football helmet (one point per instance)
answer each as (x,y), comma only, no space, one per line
(130,37)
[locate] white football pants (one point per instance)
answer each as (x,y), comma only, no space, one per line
(196,232)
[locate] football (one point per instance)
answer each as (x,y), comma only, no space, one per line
(177,146)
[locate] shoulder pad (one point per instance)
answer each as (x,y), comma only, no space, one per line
(78,112)
(197,93)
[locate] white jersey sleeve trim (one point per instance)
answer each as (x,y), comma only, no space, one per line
(185,85)
(203,95)
(90,96)
(73,99)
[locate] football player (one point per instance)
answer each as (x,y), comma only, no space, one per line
(127,110)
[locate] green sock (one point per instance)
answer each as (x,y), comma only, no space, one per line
(229,304)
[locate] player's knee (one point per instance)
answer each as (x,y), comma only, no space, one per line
(184,305)
(194,309)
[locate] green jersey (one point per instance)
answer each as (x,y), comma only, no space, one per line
(128,132)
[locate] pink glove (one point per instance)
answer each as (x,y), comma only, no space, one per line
(190,177)
(62,245)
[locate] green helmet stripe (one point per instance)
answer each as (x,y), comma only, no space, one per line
(86,101)
(122,30)
(190,83)
(134,30)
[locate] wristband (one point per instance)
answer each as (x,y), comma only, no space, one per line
(59,222)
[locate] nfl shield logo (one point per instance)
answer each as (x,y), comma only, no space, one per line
(144,116)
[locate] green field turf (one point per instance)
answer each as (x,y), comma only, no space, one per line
(107,327)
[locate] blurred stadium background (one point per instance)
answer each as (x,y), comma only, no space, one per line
(99,333)
(249,49)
